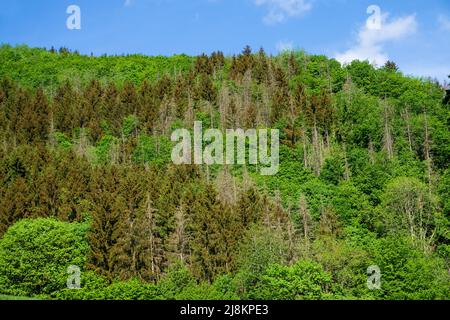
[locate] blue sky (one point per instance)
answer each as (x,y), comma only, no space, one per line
(413,33)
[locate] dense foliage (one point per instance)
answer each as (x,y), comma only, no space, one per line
(87,179)
(35,254)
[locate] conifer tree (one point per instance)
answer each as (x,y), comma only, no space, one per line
(149,244)
(126,263)
(179,240)
(329,224)
(108,221)
(148,108)
(15,202)
(215,233)
(261,69)
(65,108)
(91,109)
(305,217)
(36,121)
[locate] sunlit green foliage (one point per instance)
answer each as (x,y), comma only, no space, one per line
(87,178)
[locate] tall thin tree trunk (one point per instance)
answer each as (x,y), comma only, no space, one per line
(408,128)
(347,169)
(305,150)
(428,159)
(316,149)
(388,141)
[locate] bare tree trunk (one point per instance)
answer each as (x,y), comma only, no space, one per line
(189,115)
(316,149)
(292,116)
(224,105)
(371,152)
(388,141)
(347,169)
(406,116)
(291,237)
(150,231)
(428,159)
(306,217)
(305,150)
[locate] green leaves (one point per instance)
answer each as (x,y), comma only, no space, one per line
(35,255)
(302,281)
(407,273)
(106,149)
(410,208)
(153,150)
(33,67)
(130,125)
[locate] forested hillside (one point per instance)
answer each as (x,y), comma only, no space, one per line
(87,178)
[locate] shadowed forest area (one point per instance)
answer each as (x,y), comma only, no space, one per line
(87,178)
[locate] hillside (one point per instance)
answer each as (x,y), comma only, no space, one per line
(87,178)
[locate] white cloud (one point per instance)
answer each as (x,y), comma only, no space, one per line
(370,41)
(444,22)
(279,10)
(284,46)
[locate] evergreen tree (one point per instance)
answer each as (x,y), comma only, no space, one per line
(108,220)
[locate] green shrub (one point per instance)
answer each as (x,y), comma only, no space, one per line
(35,255)
(303,280)
(131,290)
(408,273)
(92,288)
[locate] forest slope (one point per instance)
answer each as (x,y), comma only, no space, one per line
(87,177)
